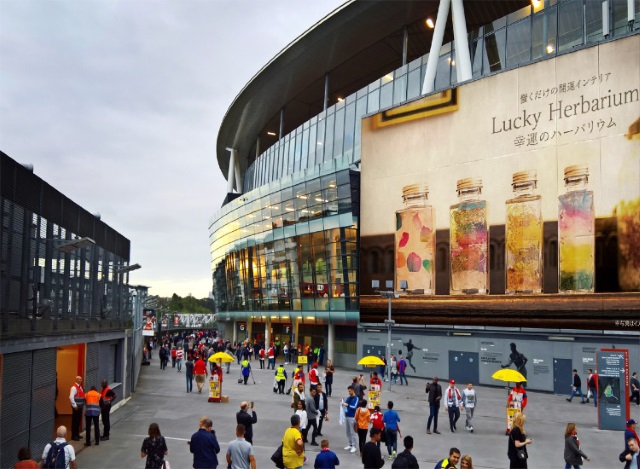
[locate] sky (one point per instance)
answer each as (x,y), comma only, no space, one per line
(117,104)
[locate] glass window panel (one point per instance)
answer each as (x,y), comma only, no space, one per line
(400,89)
(373,102)
(570,25)
(338,134)
(414,86)
(320,141)
(594,21)
(292,155)
(304,158)
(362,92)
(443,72)
(312,146)
(619,16)
(519,43)
(476,57)
(349,129)
(543,33)
(297,153)
(386,95)
(494,52)
(328,138)
(361,110)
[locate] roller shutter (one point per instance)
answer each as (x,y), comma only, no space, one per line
(43,397)
(91,373)
(111,376)
(15,403)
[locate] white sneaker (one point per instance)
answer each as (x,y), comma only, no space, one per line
(393,454)
(347,447)
(353,449)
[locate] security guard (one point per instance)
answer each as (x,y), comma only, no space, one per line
(281,378)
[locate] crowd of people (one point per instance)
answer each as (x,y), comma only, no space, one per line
(369,430)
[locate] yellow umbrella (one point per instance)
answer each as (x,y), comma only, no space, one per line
(509,375)
(370,360)
(221,357)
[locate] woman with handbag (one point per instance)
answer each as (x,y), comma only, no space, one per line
(363,418)
(154,448)
(573,455)
(518,441)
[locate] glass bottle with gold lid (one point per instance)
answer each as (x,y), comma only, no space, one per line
(415,241)
(524,236)
(469,240)
(576,233)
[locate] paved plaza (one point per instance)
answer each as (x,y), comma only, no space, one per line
(160,397)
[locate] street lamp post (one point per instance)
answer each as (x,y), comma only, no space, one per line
(389,294)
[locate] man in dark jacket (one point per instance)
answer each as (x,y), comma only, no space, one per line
(628,455)
(204,446)
(322,404)
(434,391)
(247,418)
(406,460)
(576,387)
(371,456)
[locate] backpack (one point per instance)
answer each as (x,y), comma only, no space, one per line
(56,457)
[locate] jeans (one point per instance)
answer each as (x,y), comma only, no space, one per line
(454,415)
(106,419)
(403,376)
(433,415)
(351,433)
(179,362)
(392,440)
(469,411)
(189,383)
(575,391)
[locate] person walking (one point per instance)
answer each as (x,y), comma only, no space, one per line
(92,415)
(204,446)
(631,455)
(154,448)
(24,459)
(261,354)
(245,368)
(292,445)
(402,368)
(592,387)
(281,377)
(329,370)
(576,387)
(200,372)
(406,460)
(469,400)
(271,355)
(322,404)
(453,400)
(434,396)
(312,415)
(247,418)
(630,432)
(314,378)
(298,395)
(391,420)
(107,396)
(179,358)
(188,367)
(363,419)
(573,455)
(240,451)
(393,370)
(377,421)
(174,356)
(326,459)
(371,456)
(76,396)
(351,405)
(59,448)
(518,441)
(634,388)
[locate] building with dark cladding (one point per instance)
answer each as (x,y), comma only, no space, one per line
(378,96)
(66,309)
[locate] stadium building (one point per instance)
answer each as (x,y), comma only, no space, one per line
(434,101)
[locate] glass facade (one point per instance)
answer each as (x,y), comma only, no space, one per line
(290,239)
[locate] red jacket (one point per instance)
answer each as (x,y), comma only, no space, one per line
(200,367)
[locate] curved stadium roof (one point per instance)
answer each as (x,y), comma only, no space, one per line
(355,44)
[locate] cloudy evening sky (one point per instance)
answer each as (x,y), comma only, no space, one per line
(117,104)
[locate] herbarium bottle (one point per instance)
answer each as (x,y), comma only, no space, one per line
(415,241)
(524,236)
(576,227)
(469,240)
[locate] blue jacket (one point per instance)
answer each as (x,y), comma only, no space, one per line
(352,405)
(326,459)
(391,419)
(204,447)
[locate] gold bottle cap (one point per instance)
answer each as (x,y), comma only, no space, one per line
(577,170)
(469,183)
(522,177)
(415,189)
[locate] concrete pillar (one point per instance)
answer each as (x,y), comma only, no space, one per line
(280,132)
(326,92)
(249,330)
(331,342)
(436,44)
(295,331)
(463,57)
(236,169)
(405,45)
(267,333)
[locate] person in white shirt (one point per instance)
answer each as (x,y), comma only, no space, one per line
(69,452)
(469,400)
(453,401)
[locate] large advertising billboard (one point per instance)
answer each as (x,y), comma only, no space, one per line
(527,181)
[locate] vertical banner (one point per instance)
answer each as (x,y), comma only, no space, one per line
(613,388)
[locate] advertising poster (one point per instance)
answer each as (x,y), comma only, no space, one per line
(215,388)
(148,322)
(502,185)
(613,389)
(374,397)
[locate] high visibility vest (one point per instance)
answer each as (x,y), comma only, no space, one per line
(79,397)
(92,408)
(280,373)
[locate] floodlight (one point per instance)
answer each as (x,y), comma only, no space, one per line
(128,268)
(389,284)
(75,244)
(375,284)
